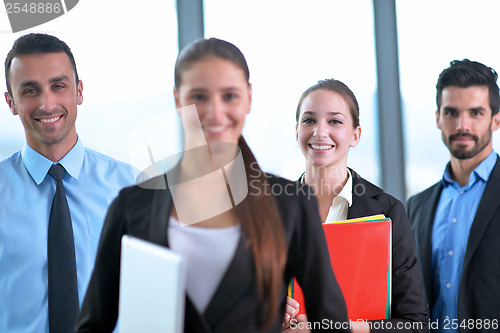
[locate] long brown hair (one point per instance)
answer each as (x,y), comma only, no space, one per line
(258,214)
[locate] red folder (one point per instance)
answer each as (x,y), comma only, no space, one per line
(360,253)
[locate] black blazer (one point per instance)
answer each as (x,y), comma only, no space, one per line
(479,295)
(408,301)
(144,213)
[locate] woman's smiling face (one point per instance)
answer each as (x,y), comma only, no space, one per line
(222,96)
(325,130)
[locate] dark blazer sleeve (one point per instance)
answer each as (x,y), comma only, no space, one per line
(130,213)
(99,310)
(310,259)
(421,210)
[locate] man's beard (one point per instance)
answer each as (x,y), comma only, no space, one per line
(461,152)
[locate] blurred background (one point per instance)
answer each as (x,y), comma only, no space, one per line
(125,53)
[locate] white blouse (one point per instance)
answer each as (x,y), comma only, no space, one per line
(208,253)
(341,203)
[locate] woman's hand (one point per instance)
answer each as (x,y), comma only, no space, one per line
(298,324)
(294,323)
(291,310)
(359,327)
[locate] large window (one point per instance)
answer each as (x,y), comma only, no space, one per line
(431,34)
(125,53)
(289,45)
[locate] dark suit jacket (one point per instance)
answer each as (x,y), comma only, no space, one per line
(144,213)
(408,301)
(479,296)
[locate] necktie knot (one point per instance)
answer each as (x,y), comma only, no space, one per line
(57,171)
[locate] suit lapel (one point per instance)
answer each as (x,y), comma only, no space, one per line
(487,207)
(158,233)
(362,191)
(236,281)
(160,213)
(194,321)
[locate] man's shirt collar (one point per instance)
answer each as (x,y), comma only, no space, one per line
(38,165)
(482,171)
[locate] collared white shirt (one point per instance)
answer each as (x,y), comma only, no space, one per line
(341,203)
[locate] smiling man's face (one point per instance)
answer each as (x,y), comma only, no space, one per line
(45,96)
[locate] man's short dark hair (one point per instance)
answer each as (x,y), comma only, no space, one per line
(36,44)
(465,74)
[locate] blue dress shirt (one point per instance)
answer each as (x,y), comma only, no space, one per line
(91,182)
(454,215)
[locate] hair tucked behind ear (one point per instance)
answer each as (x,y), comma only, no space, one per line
(261,221)
(258,214)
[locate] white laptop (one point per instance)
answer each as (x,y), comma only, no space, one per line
(152,288)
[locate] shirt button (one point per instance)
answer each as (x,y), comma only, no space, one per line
(454,220)
(461,192)
(450,253)
(447,318)
(448,285)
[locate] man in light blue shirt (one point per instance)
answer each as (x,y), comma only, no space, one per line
(457,221)
(43,89)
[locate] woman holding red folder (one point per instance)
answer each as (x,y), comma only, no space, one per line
(327,127)
(239,256)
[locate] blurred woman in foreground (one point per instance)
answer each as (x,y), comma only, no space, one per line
(239,259)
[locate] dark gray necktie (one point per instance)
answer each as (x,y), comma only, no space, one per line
(63,287)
